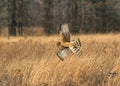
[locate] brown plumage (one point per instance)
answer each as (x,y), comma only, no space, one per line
(65,44)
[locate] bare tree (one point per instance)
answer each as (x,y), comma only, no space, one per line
(20,14)
(12,17)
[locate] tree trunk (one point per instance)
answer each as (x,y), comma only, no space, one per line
(12,17)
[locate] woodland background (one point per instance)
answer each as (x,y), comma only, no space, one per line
(83,16)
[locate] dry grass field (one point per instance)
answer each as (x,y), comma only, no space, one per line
(32,61)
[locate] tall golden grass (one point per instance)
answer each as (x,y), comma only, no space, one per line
(32,61)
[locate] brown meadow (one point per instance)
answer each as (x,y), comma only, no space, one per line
(32,61)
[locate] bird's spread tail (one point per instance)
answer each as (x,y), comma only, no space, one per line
(76,46)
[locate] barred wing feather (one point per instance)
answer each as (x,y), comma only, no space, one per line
(77,46)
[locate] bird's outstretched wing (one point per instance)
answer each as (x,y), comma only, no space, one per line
(76,47)
(64,33)
(62,53)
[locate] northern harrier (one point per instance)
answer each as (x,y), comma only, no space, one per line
(65,44)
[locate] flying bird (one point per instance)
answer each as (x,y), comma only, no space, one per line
(64,44)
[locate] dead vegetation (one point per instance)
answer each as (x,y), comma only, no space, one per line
(32,61)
